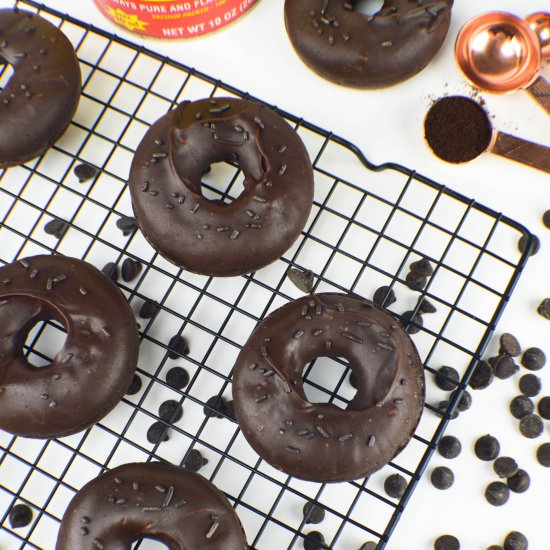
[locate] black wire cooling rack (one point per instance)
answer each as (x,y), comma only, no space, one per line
(367,225)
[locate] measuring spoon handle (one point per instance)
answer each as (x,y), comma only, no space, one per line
(540,92)
(529,153)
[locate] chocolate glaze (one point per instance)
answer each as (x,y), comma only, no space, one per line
(321,442)
(350,48)
(90,373)
(207,236)
(42,95)
(150,500)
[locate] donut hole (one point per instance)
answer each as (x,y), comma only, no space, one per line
(369,7)
(326,380)
(223,181)
(6,72)
(43,342)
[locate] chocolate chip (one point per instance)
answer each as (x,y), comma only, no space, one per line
(519,482)
(130,269)
(497,493)
(230,409)
(177,347)
(447,378)
(20,516)
(422,266)
(57,228)
(509,345)
(531,426)
(353,380)
(303,280)
(442,478)
(505,466)
(148,309)
(522,243)
(487,448)
(135,385)
(465,402)
(544,308)
(313,513)
(530,385)
(425,306)
(85,172)
(395,485)
(449,447)
(495,547)
(515,541)
(544,407)
(546,219)
(412,322)
(170,411)
(443,406)
(214,407)
(384,296)
(504,366)
(447,542)
(415,281)
(543,455)
(533,359)
(126,225)
(157,433)
(314,541)
(369,545)
(521,406)
(194,461)
(482,376)
(110,270)
(177,378)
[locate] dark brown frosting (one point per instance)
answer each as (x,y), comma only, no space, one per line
(42,95)
(353,49)
(321,442)
(207,236)
(158,501)
(94,368)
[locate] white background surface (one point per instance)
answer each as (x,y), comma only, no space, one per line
(255,55)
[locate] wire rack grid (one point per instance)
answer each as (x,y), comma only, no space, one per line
(368,223)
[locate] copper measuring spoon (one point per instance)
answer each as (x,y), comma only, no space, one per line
(463,121)
(499,52)
(540,23)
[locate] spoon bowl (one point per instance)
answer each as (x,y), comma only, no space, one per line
(540,23)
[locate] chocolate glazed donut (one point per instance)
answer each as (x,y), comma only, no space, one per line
(208,236)
(321,442)
(42,95)
(347,47)
(95,366)
(150,500)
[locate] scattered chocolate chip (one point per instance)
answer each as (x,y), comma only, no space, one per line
(447,378)
(497,493)
(303,280)
(509,345)
(135,385)
(530,385)
(85,172)
(533,359)
(177,378)
(412,322)
(449,446)
(353,380)
(148,310)
(544,308)
(57,228)
(447,542)
(515,541)
(487,448)
(230,409)
(369,545)
(313,513)
(214,407)
(442,478)
(531,426)
(126,225)
(415,281)
(20,516)
(395,485)
(314,541)
(443,406)
(465,402)
(170,411)
(194,461)
(546,219)
(177,347)
(130,269)
(157,433)
(519,482)
(543,455)
(523,242)
(482,376)
(521,406)
(425,306)
(543,407)
(504,366)
(384,296)
(495,547)
(110,270)
(422,266)
(505,466)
